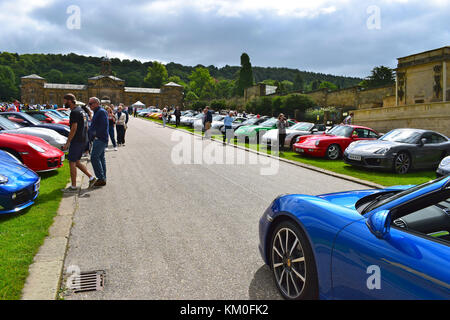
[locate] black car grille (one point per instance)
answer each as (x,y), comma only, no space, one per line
(23,196)
(53,162)
(373,161)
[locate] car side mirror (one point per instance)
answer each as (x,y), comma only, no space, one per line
(422,142)
(379,223)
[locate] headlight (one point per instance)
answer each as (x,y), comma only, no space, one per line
(445,162)
(382,151)
(35,147)
(3,179)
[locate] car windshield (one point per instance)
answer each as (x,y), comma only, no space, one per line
(402,136)
(54,116)
(218,118)
(269,123)
(8,125)
(250,122)
(26,117)
(341,131)
(58,113)
(302,126)
(378,202)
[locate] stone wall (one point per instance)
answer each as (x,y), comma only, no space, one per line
(432,116)
(374,98)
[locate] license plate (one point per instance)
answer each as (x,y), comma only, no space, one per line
(354,157)
(300,150)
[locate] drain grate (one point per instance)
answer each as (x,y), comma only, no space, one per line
(87,281)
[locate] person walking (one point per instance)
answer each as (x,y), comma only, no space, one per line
(120,126)
(228,133)
(76,143)
(98,133)
(207,120)
(281,126)
(177,114)
(111,126)
(164,117)
(349,118)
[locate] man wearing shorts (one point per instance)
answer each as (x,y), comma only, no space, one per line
(76,142)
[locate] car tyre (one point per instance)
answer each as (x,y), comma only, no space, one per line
(292,263)
(402,163)
(333,152)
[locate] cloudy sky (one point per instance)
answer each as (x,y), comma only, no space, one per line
(340,37)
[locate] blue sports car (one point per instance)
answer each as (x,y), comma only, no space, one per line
(19,186)
(392,243)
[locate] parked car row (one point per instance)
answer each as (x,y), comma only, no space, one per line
(27,146)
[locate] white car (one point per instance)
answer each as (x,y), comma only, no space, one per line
(50,136)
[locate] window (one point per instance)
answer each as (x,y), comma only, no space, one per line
(433,138)
(361,133)
(373,135)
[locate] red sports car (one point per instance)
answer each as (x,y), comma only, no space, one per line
(34,152)
(333,143)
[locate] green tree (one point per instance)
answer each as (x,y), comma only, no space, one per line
(191,97)
(328,84)
(245,74)
(55,76)
(202,84)
(299,83)
(315,85)
(8,88)
(156,76)
(380,76)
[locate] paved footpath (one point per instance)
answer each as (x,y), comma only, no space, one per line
(190,231)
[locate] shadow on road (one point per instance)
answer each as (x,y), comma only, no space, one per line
(262,286)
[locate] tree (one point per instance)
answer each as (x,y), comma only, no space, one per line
(380,76)
(328,84)
(191,97)
(202,84)
(8,88)
(55,76)
(156,76)
(299,83)
(315,85)
(245,74)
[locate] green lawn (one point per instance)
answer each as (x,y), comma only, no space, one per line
(22,234)
(380,177)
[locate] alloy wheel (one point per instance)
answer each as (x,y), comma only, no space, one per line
(288,263)
(402,163)
(333,152)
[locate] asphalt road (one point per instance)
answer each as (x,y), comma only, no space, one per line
(163,230)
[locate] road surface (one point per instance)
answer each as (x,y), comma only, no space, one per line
(163,230)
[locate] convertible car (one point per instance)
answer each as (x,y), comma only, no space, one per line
(333,143)
(52,137)
(253,132)
(19,186)
(400,150)
(33,152)
(26,120)
(373,244)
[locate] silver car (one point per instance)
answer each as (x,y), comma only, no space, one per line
(50,136)
(293,132)
(444,167)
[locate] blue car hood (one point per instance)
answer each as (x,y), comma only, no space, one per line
(348,199)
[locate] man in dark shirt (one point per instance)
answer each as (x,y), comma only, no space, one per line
(98,132)
(177,114)
(76,142)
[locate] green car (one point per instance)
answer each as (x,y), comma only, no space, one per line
(252,133)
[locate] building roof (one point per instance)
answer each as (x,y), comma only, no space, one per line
(142,90)
(172,84)
(103,76)
(33,76)
(65,86)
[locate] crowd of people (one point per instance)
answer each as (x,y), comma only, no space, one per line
(91,128)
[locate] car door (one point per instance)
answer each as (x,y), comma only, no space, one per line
(429,154)
(405,265)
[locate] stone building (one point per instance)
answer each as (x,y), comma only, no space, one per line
(36,90)
(421,98)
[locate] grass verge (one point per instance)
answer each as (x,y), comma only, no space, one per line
(22,234)
(384,178)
